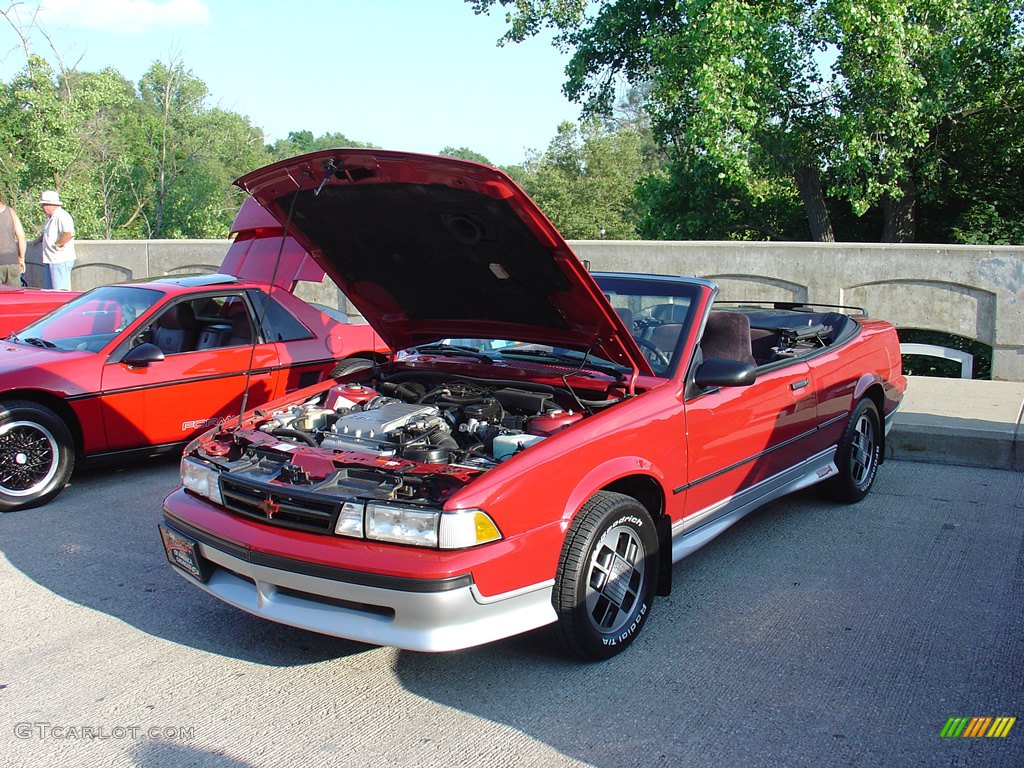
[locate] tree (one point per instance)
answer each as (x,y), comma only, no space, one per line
(51,121)
(585,181)
(465,153)
(301,142)
(192,153)
(842,99)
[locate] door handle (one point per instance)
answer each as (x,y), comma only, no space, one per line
(799,384)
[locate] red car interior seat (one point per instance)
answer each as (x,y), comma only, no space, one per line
(176,330)
(241,330)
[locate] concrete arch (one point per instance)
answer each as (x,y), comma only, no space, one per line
(192,269)
(936,305)
(745,287)
(90,274)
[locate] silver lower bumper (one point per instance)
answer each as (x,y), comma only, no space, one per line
(416,621)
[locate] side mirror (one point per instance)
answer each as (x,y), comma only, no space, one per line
(722,372)
(142,355)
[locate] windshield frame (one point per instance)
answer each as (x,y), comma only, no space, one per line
(637,300)
(93,321)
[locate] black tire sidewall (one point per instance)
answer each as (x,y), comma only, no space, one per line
(844,488)
(17,410)
(575,628)
(351,365)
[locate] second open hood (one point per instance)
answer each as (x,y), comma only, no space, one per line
(432,247)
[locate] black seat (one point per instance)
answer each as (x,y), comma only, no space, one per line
(670,313)
(241,330)
(213,336)
(176,330)
(727,335)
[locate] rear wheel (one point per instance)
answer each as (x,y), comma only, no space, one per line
(606,577)
(36,455)
(858,455)
(351,365)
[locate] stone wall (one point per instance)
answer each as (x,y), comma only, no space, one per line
(973,291)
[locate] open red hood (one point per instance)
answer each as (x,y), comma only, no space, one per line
(433,247)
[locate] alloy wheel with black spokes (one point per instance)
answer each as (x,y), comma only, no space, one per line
(858,454)
(36,455)
(606,577)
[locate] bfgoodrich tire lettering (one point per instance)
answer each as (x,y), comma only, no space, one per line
(858,455)
(606,577)
(36,455)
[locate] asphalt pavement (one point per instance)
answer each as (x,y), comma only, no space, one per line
(809,634)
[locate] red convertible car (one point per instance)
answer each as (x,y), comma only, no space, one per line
(143,367)
(600,428)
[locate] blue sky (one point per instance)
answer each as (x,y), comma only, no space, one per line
(415,75)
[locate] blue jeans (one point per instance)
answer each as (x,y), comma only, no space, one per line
(60,275)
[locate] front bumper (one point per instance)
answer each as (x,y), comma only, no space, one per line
(416,615)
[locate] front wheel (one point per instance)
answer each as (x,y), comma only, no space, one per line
(858,455)
(36,455)
(606,577)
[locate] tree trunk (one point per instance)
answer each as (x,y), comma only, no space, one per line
(901,215)
(809,186)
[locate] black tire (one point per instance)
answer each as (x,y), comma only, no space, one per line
(351,365)
(37,455)
(607,575)
(858,455)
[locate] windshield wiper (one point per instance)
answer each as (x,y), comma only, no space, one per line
(454,350)
(37,342)
(576,361)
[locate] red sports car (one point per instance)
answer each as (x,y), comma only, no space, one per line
(583,434)
(143,367)
(20,306)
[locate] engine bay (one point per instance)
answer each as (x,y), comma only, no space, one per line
(412,437)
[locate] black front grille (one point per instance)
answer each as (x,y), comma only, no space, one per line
(277,506)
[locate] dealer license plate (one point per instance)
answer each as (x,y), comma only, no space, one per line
(183,552)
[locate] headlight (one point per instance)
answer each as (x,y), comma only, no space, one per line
(201,480)
(402,524)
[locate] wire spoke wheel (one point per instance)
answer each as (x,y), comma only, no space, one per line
(37,454)
(28,457)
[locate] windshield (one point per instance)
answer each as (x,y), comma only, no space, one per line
(91,321)
(658,313)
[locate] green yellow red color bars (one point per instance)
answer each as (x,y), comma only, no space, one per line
(977,727)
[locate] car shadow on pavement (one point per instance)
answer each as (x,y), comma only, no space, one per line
(809,634)
(158,754)
(97,545)
(633,708)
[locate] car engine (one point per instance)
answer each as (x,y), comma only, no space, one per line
(455,422)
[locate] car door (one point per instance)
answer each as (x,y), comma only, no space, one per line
(741,439)
(173,399)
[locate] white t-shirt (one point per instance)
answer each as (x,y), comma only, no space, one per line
(55,226)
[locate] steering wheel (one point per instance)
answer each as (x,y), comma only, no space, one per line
(652,353)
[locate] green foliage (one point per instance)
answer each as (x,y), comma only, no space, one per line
(585,181)
(465,153)
(301,142)
(854,105)
(926,365)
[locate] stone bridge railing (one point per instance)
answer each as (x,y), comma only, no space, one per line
(972,291)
